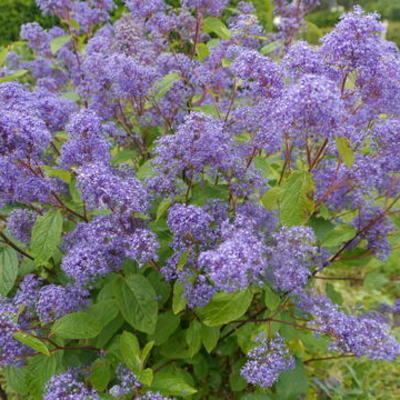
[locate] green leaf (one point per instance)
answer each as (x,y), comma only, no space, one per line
(163,208)
(40,369)
(333,294)
(215,25)
(77,326)
(130,350)
(137,302)
(145,376)
(162,86)
(271,299)
(16,75)
(178,299)
(193,337)
(171,385)
(123,156)
(32,342)
(339,235)
(105,311)
(58,173)
(101,375)
(46,236)
(296,204)
(3,55)
(167,324)
(8,270)
(270,199)
(209,337)
(225,307)
(345,151)
(293,384)
(146,351)
(270,47)
(202,51)
(58,42)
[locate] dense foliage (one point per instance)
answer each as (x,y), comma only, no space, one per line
(176,189)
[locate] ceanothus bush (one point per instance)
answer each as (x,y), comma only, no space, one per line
(175,186)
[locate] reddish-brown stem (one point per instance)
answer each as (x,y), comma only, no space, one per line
(329,358)
(10,243)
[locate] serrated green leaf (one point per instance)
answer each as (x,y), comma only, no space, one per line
(8,270)
(167,324)
(46,235)
(296,204)
(104,311)
(225,307)
(145,376)
(3,55)
(271,299)
(209,337)
(77,326)
(215,25)
(193,337)
(270,199)
(162,86)
(163,208)
(171,385)
(339,235)
(58,173)
(202,51)
(130,350)
(137,302)
(13,77)
(58,42)
(32,342)
(292,384)
(345,151)
(270,47)
(101,374)
(178,299)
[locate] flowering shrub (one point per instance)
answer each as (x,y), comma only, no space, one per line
(176,186)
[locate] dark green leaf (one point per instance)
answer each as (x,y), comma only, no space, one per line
(167,324)
(46,235)
(296,204)
(8,269)
(77,326)
(32,342)
(292,384)
(178,299)
(215,25)
(101,375)
(193,337)
(171,385)
(209,337)
(225,307)
(137,302)
(130,350)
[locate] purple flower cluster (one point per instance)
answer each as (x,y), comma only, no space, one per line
(267,361)
(361,335)
(206,7)
(100,246)
(68,386)
(128,382)
(20,223)
(291,255)
(11,350)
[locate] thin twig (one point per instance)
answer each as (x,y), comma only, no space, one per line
(15,246)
